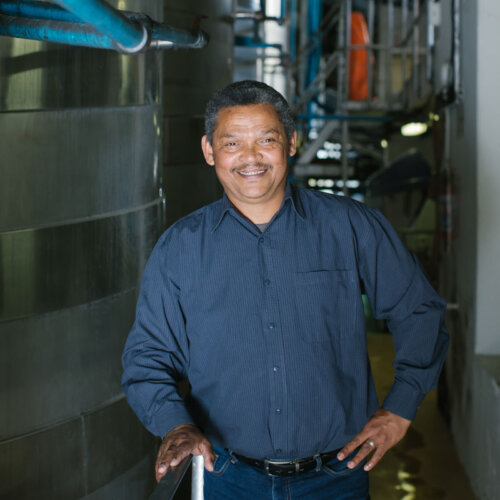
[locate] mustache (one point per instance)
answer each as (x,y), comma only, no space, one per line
(247,166)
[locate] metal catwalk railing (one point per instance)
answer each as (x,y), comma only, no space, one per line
(166,488)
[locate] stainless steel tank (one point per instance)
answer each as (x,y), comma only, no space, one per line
(80,203)
(190,79)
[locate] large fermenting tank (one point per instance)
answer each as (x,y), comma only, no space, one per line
(80,205)
(190,79)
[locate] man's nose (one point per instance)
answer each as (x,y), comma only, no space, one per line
(250,152)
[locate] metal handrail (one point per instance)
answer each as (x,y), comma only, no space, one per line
(166,488)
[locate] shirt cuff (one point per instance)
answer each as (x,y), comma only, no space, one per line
(403,400)
(168,418)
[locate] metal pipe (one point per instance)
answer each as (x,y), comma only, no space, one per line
(348,17)
(371,34)
(293,30)
(197,478)
(256,16)
(345,164)
(166,37)
(390,43)
(404,54)
(283,12)
(54,24)
(457,81)
(37,10)
(128,35)
(430,42)
(341,63)
(77,34)
(416,44)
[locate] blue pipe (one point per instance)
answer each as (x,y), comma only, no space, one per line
(127,34)
(314,14)
(50,23)
(37,10)
(293,30)
(54,31)
(248,41)
(350,118)
(283,11)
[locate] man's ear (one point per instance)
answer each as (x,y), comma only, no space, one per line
(292,145)
(208,151)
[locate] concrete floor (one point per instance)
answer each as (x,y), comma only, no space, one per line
(424,466)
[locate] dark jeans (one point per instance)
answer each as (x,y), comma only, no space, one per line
(235,480)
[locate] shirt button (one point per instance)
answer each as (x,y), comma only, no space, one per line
(272,325)
(279,450)
(267,282)
(261,240)
(276,369)
(278,411)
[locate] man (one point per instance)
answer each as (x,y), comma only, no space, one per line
(256,298)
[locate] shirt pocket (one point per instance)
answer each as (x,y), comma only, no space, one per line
(324,304)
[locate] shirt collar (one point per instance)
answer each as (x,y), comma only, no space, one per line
(291,193)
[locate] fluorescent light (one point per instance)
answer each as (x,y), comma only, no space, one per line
(414,128)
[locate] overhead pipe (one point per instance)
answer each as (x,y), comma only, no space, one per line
(130,36)
(44,30)
(37,10)
(126,32)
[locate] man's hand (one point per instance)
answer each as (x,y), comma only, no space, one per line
(180,442)
(383,431)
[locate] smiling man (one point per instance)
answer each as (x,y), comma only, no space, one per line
(257,299)
(249,149)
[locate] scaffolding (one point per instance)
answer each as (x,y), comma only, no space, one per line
(381,64)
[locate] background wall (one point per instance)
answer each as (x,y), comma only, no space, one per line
(469,269)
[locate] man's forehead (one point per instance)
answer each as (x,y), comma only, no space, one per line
(262,116)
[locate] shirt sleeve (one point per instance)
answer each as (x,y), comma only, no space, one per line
(156,352)
(399,292)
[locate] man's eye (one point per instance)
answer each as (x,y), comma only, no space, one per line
(269,139)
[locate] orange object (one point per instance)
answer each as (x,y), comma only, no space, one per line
(358,58)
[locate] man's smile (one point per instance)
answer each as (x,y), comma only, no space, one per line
(252,170)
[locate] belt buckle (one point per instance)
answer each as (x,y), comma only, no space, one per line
(268,462)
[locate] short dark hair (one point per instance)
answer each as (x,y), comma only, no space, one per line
(245,93)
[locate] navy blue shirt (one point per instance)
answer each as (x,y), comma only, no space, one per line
(269,327)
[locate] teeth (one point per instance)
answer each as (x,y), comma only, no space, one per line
(252,173)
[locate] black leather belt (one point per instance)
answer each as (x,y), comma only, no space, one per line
(275,467)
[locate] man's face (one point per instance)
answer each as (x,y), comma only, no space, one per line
(250,152)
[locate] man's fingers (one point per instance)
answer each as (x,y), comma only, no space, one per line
(363,452)
(178,457)
(208,459)
(350,446)
(379,453)
(180,442)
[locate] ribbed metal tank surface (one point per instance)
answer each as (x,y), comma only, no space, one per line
(80,208)
(190,79)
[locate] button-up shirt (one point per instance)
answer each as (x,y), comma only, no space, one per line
(269,327)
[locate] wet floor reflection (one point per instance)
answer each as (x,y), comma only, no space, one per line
(424,466)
